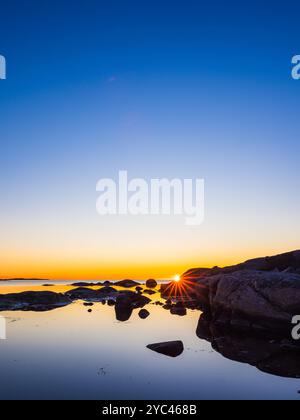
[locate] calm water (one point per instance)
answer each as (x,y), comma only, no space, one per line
(70,353)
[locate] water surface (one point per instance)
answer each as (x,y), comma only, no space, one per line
(69,353)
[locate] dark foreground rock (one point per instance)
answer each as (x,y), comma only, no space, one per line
(170,348)
(178,309)
(35,301)
(276,355)
(143,313)
(126,302)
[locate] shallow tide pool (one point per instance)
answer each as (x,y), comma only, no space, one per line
(69,353)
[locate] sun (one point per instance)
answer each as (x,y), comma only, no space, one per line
(177,277)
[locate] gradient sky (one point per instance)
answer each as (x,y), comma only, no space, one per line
(184,89)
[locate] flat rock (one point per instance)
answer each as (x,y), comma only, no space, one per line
(35,301)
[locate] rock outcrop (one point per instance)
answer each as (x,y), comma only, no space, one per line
(288,262)
(260,294)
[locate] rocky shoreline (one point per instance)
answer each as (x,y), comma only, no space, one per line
(259,294)
(246,310)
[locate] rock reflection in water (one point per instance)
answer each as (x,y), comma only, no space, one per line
(275,355)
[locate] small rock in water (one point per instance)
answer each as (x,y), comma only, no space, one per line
(149,292)
(127,283)
(143,314)
(88,304)
(89,310)
(151,283)
(170,348)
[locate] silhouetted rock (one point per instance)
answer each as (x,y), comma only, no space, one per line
(107,283)
(143,313)
(139,289)
(35,301)
(149,292)
(88,304)
(288,261)
(151,283)
(107,291)
(83,293)
(126,302)
(111,302)
(178,309)
(127,283)
(170,348)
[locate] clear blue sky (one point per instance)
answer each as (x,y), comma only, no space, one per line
(162,89)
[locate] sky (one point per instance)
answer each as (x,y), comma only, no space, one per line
(162,89)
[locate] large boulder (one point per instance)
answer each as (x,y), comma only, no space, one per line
(266,300)
(34,301)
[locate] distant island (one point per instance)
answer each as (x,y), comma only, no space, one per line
(21,278)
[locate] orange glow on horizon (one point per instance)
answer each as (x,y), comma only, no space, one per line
(74,266)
